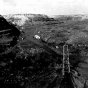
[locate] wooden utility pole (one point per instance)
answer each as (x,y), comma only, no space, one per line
(66,64)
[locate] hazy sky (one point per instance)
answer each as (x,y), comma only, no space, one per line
(48,7)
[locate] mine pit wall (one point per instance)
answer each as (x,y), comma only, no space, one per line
(9,35)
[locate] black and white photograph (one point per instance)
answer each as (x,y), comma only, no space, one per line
(43,43)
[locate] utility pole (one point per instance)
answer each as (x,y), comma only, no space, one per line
(66,64)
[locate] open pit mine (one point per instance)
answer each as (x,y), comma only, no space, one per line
(37,51)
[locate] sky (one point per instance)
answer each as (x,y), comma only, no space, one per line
(47,7)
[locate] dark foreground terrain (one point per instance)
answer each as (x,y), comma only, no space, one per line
(31,51)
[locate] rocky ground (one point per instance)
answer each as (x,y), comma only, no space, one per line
(49,33)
